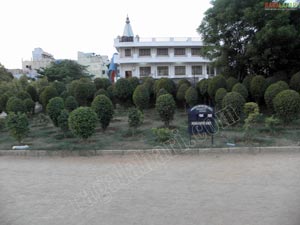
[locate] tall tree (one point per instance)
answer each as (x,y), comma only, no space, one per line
(5,75)
(245,38)
(64,70)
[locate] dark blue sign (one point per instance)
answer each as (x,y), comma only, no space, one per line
(201,119)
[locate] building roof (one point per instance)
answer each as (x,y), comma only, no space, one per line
(127,29)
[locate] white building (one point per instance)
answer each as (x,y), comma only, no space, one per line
(40,59)
(161,57)
(97,65)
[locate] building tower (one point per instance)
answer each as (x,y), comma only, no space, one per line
(127,33)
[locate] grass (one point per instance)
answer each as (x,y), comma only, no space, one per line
(44,136)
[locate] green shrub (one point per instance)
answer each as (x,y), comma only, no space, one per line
(101,91)
(241,89)
(123,91)
(191,96)
(54,107)
(59,86)
(15,105)
(32,92)
(84,93)
(165,83)
(180,95)
(220,94)
(148,82)
(2,124)
(250,108)
(162,134)
(202,87)
(103,106)
(23,95)
(230,82)
(3,102)
(258,87)
(216,83)
(135,119)
(63,120)
(64,94)
(183,81)
(48,93)
(295,82)
(17,125)
(161,92)
(271,123)
(102,83)
(82,122)
(134,82)
(247,82)
(165,106)
(141,97)
(287,105)
(272,91)
(30,105)
(234,100)
(271,80)
(71,103)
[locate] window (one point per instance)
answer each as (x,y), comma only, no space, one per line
(196,52)
(144,52)
(103,72)
(210,70)
(127,52)
(196,70)
(162,52)
(163,70)
(145,71)
(179,51)
(179,70)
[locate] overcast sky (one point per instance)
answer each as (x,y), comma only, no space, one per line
(63,27)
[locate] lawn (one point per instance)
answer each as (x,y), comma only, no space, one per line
(44,136)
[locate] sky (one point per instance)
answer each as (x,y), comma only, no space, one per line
(64,27)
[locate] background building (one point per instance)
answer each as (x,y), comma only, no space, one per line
(97,65)
(161,57)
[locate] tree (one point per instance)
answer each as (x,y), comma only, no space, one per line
(230,82)
(63,121)
(3,102)
(29,104)
(134,82)
(71,103)
(102,83)
(32,92)
(101,91)
(15,105)
(295,82)
(82,122)
(165,83)
(54,107)
(103,106)
(240,88)
(191,96)
(84,93)
(141,97)
(165,106)
(59,86)
(287,105)
(135,119)
(272,91)
(123,91)
(183,81)
(235,101)
(243,37)
(258,87)
(216,83)
(48,93)
(5,75)
(162,91)
(202,87)
(180,95)
(23,95)
(64,70)
(17,125)
(220,94)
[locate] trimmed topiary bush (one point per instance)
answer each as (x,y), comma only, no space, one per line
(71,103)
(162,134)
(54,107)
(247,82)
(15,105)
(295,82)
(191,96)
(123,91)
(287,105)
(220,94)
(48,93)
(17,125)
(202,87)
(33,93)
(161,92)
(3,102)
(135,119)
(250,108)
(216,83)
(230,82)
(141,97)
(84,93)
(23,95)
(29,104)
(241,89)
(102,83)
(258,87)
(63,121)
(148,82)
(234,100)
(272,91)
(82,122)
(59,86)
(101,91)
(103,106)
(183,81)
(134,82)
(165,106)
(180,95)
(165,83)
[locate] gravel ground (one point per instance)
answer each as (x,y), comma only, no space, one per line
(215,189)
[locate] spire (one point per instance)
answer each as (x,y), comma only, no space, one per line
(127,29)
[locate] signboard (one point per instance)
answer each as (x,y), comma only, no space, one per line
(201,119)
